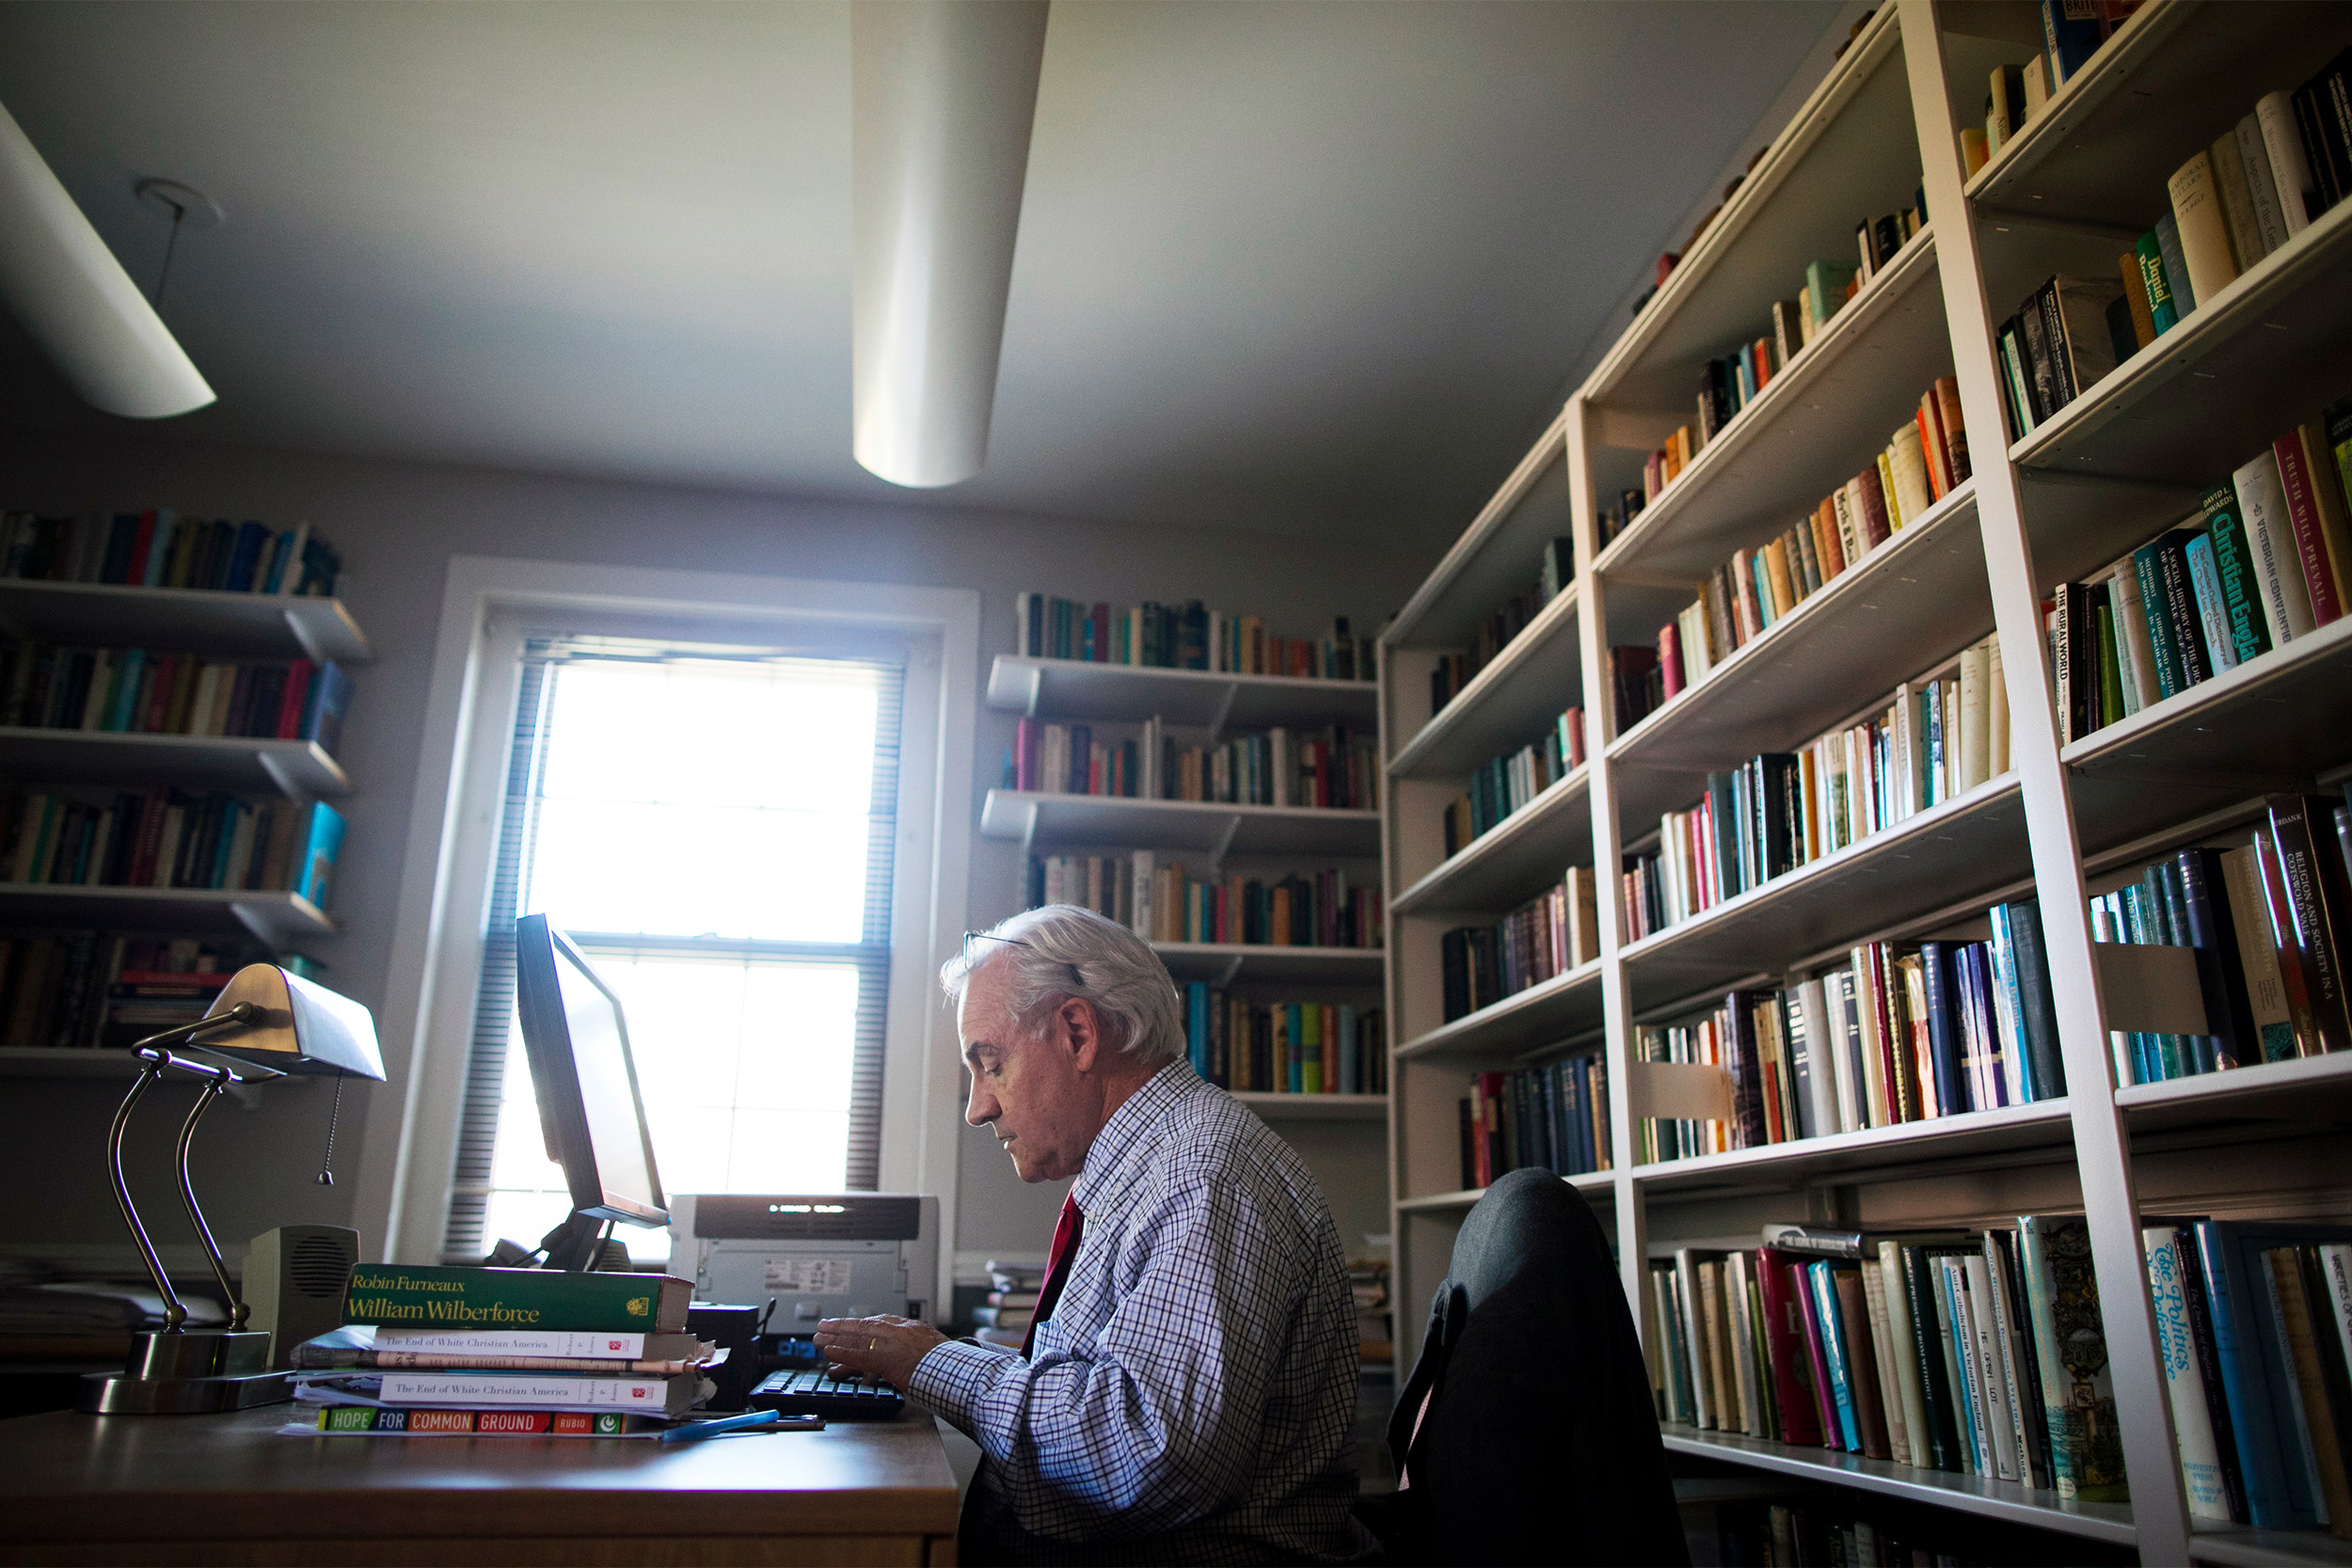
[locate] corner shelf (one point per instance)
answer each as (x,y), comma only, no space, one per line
(298,769)
(1205,699)
(249,625)
(2008,1501)
(1214,828)
(1225,963)
(1316,1107)
(276,918)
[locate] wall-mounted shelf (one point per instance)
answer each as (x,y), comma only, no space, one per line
(1215,830)
(246,625)
(1213,700)
(1316,1107)
(1227,963)
(276,918)
(298,769)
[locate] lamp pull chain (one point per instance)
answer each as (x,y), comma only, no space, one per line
(179,214)
(327,1161)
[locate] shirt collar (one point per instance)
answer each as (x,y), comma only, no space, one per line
(1128,1124)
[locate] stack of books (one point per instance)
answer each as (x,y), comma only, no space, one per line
(508,1352)
(1923,462)
(1248,1046)
(2268,916)
(157,550)
(1006,1313)
(1896,1034)
(1188,636)
(129,690)
(1500,627)
(1550,934)
(2254,1318)
(1978,1354)
(1332,768)
(2072,32)
(1508,783)
(2266,558)
(1551,1118)
(1728,386)
(173,838)
(1160,903)
(1933,740)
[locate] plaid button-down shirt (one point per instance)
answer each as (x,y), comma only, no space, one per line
(1191,1398)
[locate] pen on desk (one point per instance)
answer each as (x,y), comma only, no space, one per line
(749,1421)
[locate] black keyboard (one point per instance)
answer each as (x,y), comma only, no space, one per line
(844,1397)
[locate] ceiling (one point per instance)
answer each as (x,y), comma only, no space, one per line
(1318,268)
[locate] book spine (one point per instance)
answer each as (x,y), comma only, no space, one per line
(2242,1380)
(512,1298)
(2299,483)
(2192,1425)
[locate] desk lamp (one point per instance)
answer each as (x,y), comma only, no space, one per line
(266,1023)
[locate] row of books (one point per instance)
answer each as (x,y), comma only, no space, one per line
(1981,1354)
(1726,386)
(2266,558)
(172,838)
(129,691)
(1284,1047)
(159,549)
(504,1352)
(1923,462)
(2254,1320)
(1550,934)
(2257,187)
(1189,635)
(1500,627)
(1551,1118)
(1896,1034)
(69,990)
(1821,1528)
(2072,32)
(2267,917)
(1506,783)
(1160,903)
(1334,770)
(1937,740)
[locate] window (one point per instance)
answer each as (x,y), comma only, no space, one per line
(714,827)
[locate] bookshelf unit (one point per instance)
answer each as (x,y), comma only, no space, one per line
(216,623)
(2065,194)
(1333,1131)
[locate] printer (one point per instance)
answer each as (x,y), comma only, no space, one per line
(825,1255)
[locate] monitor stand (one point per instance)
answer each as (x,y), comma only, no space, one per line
(572,1246)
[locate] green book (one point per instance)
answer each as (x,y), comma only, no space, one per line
(2160,307)
(418,1296)
(2169,676)
(2110,671)
(2234,558)
(1825,289)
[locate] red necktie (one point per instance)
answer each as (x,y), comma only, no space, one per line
(1066,1232)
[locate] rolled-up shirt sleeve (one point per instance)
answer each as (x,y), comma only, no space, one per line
(1159,1420)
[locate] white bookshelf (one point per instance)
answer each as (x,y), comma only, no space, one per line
(202,620)
(298,769)
(1337,1133)
(276,918)
(2113,468)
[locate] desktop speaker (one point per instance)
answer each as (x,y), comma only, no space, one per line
(295,1280)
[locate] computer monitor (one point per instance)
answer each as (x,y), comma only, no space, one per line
(591,1111)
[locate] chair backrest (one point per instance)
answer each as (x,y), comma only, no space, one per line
(1539,1441)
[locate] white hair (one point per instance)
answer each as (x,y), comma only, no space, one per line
(1062,953)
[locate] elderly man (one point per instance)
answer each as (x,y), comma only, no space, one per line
(1187,1393)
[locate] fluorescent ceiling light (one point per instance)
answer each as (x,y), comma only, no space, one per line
(62,282)
(941,96)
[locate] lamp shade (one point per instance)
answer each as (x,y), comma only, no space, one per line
(62,282)
(305,1027)
(941,96)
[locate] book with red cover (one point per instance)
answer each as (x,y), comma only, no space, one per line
(1786,1345)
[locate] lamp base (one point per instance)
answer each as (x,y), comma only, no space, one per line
(188,1373)
(121,1394)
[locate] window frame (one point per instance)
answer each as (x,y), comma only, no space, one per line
(406,1167)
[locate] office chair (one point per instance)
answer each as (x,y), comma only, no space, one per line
(1539,1442)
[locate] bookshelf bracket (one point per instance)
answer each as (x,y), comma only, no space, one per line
(2149,989)
(1227,827)
(1232,966)
(1224,711)
(1036,689)
(300,631)
(280,778)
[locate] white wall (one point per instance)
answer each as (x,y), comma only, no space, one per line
(397,525)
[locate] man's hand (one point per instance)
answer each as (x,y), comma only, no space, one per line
(883,1347)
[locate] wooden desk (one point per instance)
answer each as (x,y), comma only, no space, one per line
(230,1488)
